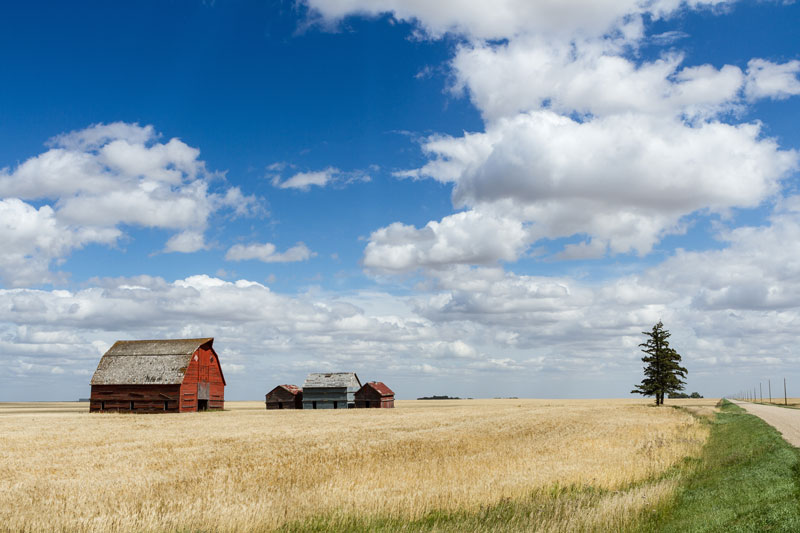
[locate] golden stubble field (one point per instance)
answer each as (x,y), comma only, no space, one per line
(248,469)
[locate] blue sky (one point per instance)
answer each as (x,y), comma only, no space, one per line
(478,200)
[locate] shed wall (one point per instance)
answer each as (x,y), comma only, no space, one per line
(326,396)
(368,397)
(280,398)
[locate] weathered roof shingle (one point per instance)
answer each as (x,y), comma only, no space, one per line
(293,389)
(380,388)
(154,362)
(347,380)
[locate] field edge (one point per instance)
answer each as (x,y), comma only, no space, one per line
(747,479)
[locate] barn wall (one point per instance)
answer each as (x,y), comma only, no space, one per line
(145,398)
(202,369)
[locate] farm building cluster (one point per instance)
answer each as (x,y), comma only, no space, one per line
(184,375)
(331,390)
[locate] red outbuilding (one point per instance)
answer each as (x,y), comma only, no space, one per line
(374,395)
(177,375)
(285,397)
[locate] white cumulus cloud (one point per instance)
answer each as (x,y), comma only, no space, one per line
(267,253)
(463,238)
(581,138)
(92,183)
(304,180)
(625,179)
(772,80)
(507,18)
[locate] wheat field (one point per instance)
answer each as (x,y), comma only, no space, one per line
(248,469)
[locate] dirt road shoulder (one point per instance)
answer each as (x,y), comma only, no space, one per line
(786,421)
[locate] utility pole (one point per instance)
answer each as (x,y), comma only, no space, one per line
(761,392)
(769,385)
(785,399)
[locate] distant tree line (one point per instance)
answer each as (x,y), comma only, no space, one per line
(439,398)
(684,395)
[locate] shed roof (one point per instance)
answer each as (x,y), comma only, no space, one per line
(333,380)
(294,389)
(380,387)
(149,362)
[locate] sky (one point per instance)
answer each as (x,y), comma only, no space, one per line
(477,199)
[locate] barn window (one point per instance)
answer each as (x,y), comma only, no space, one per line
(335,406)
(366,403)
(102,405)
(212,359)
(166,405)
(280,405)
(314,404)
(131,405)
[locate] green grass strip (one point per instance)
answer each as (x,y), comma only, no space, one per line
(747,479)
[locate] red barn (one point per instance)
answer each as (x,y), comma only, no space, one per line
(177,375)
(374,394)
(285,397)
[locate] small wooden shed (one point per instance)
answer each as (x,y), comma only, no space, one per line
(176,375)
(375,395)
(285,397)
(330,390)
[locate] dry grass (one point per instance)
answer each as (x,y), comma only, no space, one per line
(701,407)
(62,469)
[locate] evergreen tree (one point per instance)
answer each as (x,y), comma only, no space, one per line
(662,372)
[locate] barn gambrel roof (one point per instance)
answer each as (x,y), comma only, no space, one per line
(150,362)
(337,380)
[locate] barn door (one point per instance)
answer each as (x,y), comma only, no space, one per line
(203,385)
(203,391)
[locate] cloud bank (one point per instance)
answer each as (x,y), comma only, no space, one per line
(735,306)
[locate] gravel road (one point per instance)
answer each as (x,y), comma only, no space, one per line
(787,421)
